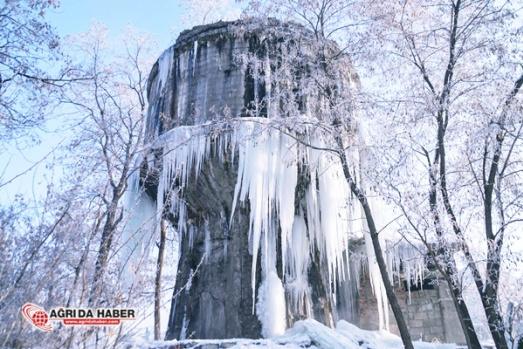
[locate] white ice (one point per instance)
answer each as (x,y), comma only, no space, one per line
(267,180)
(270,307)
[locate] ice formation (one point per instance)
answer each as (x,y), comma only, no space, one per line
(165,64)
(141,221)
(270,165)
(274,163)
(270,307)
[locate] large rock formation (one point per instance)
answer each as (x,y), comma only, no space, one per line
(212,77)
(239,127)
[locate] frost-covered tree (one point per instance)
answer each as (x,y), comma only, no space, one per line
(113,103)
(440,83)
(200,12)
(28,46)
(72,246)
(32,246)
(450,77)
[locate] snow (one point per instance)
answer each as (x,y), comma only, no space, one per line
(323,336)
(307,334)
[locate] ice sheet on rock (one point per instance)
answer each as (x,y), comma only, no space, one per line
(165,65)
(195,53)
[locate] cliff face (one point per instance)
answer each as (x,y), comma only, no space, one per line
(257,253)
(201,77)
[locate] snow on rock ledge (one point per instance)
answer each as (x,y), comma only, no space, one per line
(305,334)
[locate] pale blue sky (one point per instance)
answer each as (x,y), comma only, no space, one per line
(155,16)
(158,17)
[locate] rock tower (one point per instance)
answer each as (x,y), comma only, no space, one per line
(240,275)
(238,133)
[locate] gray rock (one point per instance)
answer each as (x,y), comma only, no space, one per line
(204,81)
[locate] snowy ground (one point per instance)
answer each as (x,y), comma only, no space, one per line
(305,334)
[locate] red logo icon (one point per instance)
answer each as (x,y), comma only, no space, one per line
(37,317)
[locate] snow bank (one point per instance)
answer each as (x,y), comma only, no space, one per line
(305,334)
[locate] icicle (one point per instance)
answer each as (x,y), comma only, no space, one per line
(225,233)
(208,241)
(329,206)
(271,307)
(140,227)
(299,260)
(195,52)
(268,175)
(267,179)
(184,151)
(191,236)
(377,284)
(185,324)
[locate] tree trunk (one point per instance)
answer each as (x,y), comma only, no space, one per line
(103,253)
(393,300)
(158,281)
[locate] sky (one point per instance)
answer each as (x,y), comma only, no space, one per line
(161,18)
(158,17)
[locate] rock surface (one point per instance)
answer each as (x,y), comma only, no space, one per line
(197,81)
(205,83)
